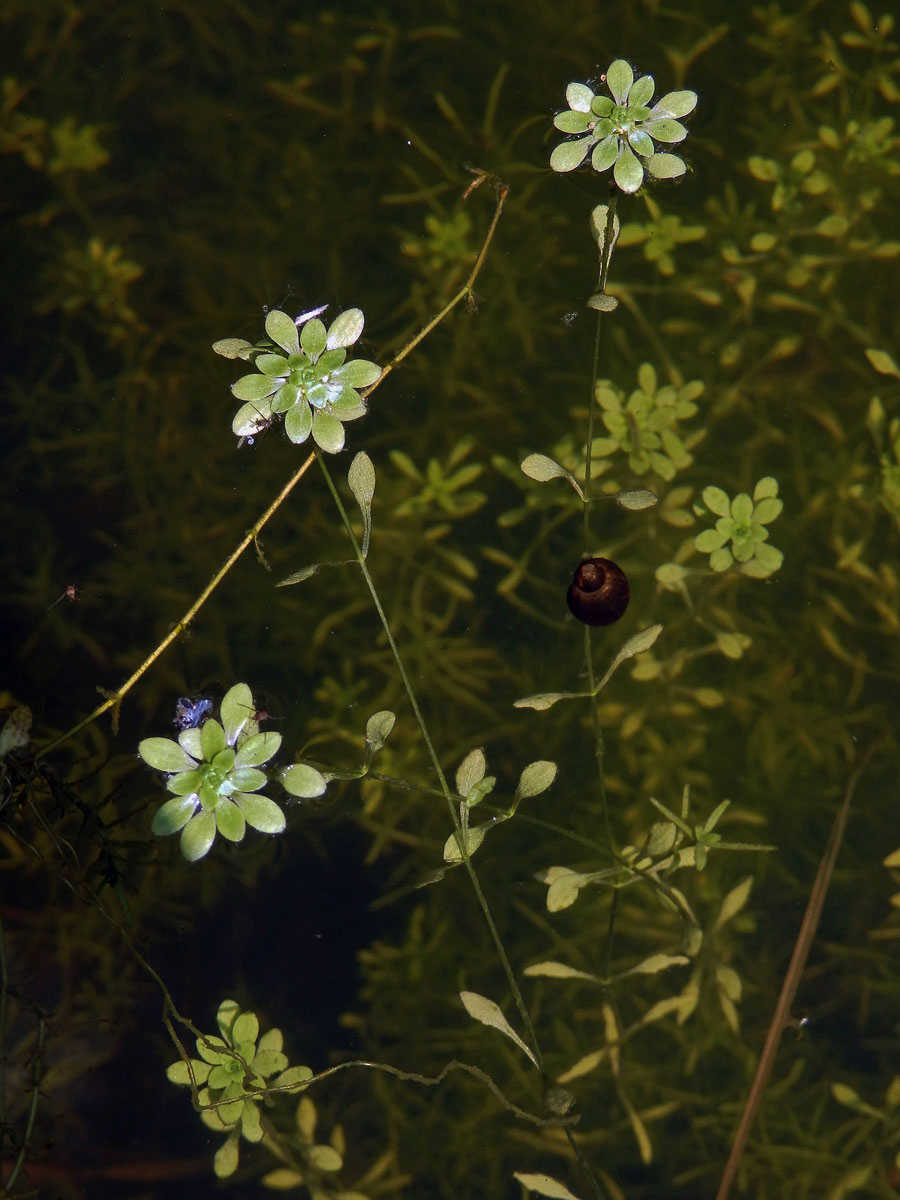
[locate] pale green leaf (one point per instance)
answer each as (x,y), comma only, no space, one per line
(619,78)
(640,1132)
(293,1076)
(636,500)
(563,891)
(378,729)
(536,778)
(544,1185)
(488,1013)
(729,982)
(281,329)
(303,781)
(558,970)
(602,302)
(470,771)
(569,155)
(734,902)
(474,836)
(283,1179)
(599,223)
(543,468)
(226,1159)
(656,963)
(236,710)
(846,1095)
(312,338)
(544,700)
(165,755)
(328,432)
(584,1066)
(663,1007)
(675,104)
(361,478)
(325,1158)
(198,835)
(260,812)
(765,488)
(579,97)
(346,328)
(232,347)
(882,362)
(716,500)
(638,643)
(300,576)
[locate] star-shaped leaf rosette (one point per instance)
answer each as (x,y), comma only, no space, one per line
(232,1075)
(619,130)
(215,777)
(312,383)
(740,535)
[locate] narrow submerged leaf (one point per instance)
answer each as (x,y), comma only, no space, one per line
(640,1132)
(543,468)
(639,643)
(656,963)
(361,478)
(544,1185)
(734,902)
(488,1013)
(558,970)
(299,576)
(882,362)
(544,700)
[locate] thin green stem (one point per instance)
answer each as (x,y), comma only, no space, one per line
(439,771)
(587,538)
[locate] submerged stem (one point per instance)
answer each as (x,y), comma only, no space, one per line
(439,771)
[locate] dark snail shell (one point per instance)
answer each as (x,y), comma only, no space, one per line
(599,593)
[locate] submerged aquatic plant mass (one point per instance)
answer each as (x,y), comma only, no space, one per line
(529,744)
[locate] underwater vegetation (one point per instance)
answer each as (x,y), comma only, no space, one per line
(452,482)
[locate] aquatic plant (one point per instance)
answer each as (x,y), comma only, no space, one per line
(742,523)
(314,387)
(213,771)
(619,130)
(494,464)
(231,1077)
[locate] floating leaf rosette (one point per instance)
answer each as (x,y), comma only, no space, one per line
(215,777)
(620,130)
(312,383)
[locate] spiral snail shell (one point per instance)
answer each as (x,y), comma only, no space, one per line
(599,592)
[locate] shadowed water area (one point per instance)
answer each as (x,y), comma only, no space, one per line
(587,997)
